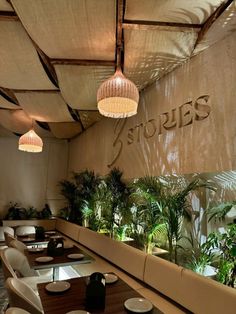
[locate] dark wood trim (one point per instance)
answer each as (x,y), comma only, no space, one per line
(86,110)
(8,15)
(212,19)
(45,60)
(82,62)
(120,8)
(9,95)
(135,23)
(43,125)
(161,27)
(36,91)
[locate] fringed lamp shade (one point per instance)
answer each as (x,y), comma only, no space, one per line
(30,142)
(118,97)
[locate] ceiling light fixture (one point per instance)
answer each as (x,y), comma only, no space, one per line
(118,97)
(30,142)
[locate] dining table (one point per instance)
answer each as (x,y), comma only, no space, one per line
(38,259)
(31,240)
(74,298)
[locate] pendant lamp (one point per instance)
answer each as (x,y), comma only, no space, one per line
(30,142)
(118,97)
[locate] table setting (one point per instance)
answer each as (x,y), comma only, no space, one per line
(95,294)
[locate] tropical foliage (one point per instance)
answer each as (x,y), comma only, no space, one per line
(17,212)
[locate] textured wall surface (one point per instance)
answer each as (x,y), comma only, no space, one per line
(185,123)
(31,179)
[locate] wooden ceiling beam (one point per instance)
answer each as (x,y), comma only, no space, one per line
(212,19)
(120,9)
(82,62)
(36,91)
(139,24)
(168,28)
(8,15)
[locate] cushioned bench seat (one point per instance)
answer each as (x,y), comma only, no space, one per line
(170,287)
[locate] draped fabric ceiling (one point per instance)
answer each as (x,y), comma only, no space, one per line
(54,54)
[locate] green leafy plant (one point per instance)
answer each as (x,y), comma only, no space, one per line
(32,213)
(46,212)
(226,243)
(175,208)
(77,192)
(68,190)
(147,220)
(114,196)
(220,211)
(201,254)
(16,212)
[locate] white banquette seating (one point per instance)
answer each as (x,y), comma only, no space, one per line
(171,288)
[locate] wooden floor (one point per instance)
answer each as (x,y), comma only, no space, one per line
(3,293)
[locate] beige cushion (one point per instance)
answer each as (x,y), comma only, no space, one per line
(69,229)
(116,252)
(164,277)
(203,295)
(98,243)
(162,303)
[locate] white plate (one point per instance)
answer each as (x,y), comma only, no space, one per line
(110,278)
(138,305)
(78,312)
(75,256)
(27,239)
(36,249)
(57,286)
(44,259)
(56,237)
(50,232)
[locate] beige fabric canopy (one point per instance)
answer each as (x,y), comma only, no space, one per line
(19,62)
(71,29)
(161,52)
(88,118)
(79,84)
(46,107)
(55,53)
(7,104)
(18,122)
(65,130)
(184,11)
(5,6)
(224,25)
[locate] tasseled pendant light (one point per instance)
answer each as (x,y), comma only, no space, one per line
(118,97)
(30,142)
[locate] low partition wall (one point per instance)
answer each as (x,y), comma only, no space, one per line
(126,257)
(48,224)
(194,292)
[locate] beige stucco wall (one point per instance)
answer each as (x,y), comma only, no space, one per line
(31,179)
(201,140)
